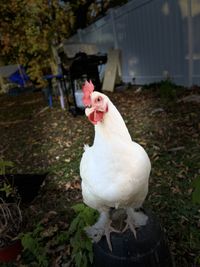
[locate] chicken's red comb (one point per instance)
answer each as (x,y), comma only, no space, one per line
(88,88)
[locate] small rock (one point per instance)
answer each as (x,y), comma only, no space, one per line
(190,98)
(157,110)
(174,149)
(138,90)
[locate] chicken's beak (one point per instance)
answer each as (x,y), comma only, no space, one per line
(94,115)
(89,110)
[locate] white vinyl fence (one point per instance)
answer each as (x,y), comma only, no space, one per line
(157,38)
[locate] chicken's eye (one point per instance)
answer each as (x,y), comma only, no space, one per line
(98,99)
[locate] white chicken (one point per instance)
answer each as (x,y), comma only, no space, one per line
(114,170)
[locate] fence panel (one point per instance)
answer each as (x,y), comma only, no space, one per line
(153,38)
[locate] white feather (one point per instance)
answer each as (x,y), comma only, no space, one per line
(114,170)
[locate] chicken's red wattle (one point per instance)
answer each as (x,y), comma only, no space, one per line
(96,116)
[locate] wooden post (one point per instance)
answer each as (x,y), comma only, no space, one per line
(112,70)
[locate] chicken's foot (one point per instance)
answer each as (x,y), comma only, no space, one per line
(134,220)
(108,230)
(100,228)
(96,231)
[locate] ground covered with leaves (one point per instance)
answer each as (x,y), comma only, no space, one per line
(38,139)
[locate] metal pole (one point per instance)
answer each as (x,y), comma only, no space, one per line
(190,44)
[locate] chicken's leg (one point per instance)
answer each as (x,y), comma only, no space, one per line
(100,228)
(134,220)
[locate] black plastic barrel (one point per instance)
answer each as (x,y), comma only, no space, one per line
(149,249)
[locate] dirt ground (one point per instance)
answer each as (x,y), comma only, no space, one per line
(39,139)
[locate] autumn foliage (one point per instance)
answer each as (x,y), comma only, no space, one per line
(30,28)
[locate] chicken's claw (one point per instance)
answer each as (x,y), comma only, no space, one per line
(108,230)
(130,224)
(134,220)
(96,233)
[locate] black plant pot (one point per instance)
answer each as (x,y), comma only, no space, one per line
(149,249)
(28,185)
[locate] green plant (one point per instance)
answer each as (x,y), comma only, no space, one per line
(196,192)
(8,193)
(32,243)
(3,165)
(36,245)
(6,188)
(10,221)
(167,90)
(82,252)
(197,260)
(10,212)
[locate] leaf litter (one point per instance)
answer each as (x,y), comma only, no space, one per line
(38,139)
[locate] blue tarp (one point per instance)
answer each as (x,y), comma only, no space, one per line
(20,77)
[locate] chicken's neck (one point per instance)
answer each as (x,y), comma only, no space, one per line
(112,127)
